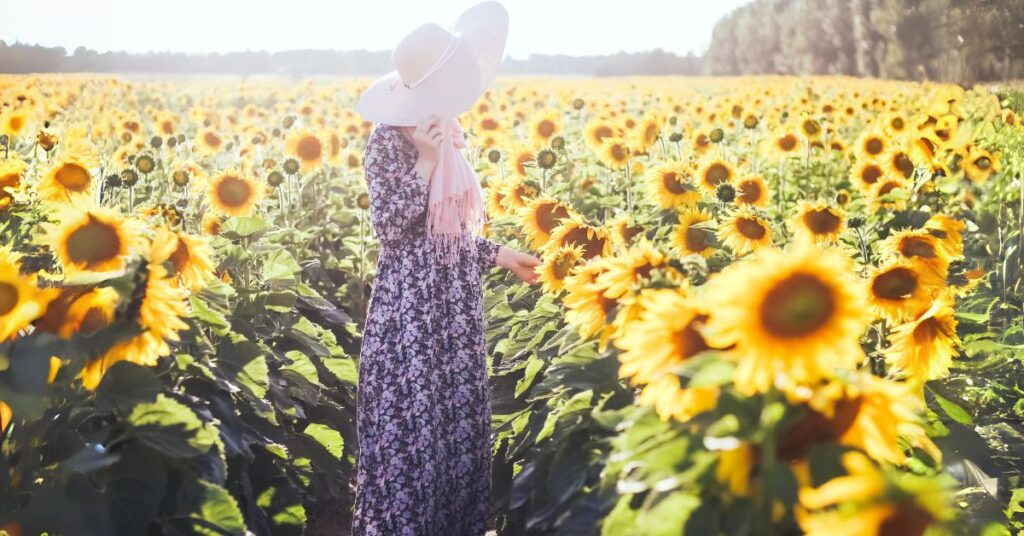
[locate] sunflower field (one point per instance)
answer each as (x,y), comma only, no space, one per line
(768,305)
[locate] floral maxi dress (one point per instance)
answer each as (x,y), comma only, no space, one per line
(423,411)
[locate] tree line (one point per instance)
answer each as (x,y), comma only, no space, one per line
(962,41)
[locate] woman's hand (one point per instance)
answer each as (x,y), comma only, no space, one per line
(427,138)
(521,264)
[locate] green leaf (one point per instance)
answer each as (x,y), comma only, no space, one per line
(712,374)
(126,384)
(218,508)
(243,227)
(953,410)
(280,266)
(533,365)
(172,428)
(328,437)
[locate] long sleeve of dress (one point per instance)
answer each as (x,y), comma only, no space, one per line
(398,196)
(487,251)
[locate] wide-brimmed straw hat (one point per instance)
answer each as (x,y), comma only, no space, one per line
(439,71)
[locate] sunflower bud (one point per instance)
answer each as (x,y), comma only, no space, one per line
(363,201)
(716,135)
(494,156)
(558,143)
(577,103)
(275,178)
(546,159)
(855,222)
(291,166)
(725,192)
(129,177)
(675,137)
(156,142)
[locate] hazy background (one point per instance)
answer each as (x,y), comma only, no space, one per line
(964,41)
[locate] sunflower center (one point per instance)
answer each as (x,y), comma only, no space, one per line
(815,428)
(873,146)
(690,340)
(93,243)
(750,192)
(896,284)
(716,174)
(180,256)
(546,128)
(618,152)
(822,222)
(870,174)
(549,215)
(787,142)
(929,330)
(797,306)
(907,519)
(489,124)
(521,162)
(674,183)
(8,297)
(73,177)
(308,148)
(917,247)
(903,163)
(233,191)
(696,239)
(561,267)
(211,139)
(983,163)
(750,228)
(602,132)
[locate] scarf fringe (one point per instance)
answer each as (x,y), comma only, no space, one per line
(451,224)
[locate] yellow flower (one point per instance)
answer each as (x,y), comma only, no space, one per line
(900,289)
(980,164)
(306,146)
(596,131)
(545,125)
(630,268)
(752,191)
(872,143)
(596,241)
(745,231)
(12,171)
(13,123)
(922,350)
(818,222)
(712,172)
(689,239)
(614,153)
(557,265)
(188,254)
(89,238)
(919,246)
(736,468)
(794,315)
(539,218)
(208,142)
(949,232)
(232,194)
(669,185)
(587,307)
(68,179)
(20,301)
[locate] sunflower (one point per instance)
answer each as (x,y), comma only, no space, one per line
(700,142)
(68,179)
(188,254)
(736,467)
(884,187)
(623,228)
(712,172)
(614,153)
(587,307)
(922,350)
(540,216)
(647,132)
(897,162)
(980,164)
(522,158)
(596,241)
(689,238)
(900,289)
(669,185)
(160,315)
(518,194)
(867,173)
(629,269)
(869,500)
(20,301)
(12,171)
(745,231)
(545,125)
(781,145)
(306,146)
(81,310)
(752,191)
(666,333)
(919,246)
(596,131)
(230,193)
(872,143)
(794,313)
(208,142)
(557,265)
(818,222)
(949,231)
(13,123)
(90,238)
(495,199)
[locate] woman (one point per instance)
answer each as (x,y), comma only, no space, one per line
(423,415)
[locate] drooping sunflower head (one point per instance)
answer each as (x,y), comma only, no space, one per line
(795,316)
(539,218)
(670,185)
(189,256)
(692,238)
(818,222)
(745,231)
(587,306)
(886,194)
(624,228)
(918,246)
(231,193)
(949,232)
(307,147)
(522,158)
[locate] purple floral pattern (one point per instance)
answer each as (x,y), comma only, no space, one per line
(423,412)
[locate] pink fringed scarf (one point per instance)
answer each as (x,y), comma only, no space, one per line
(455,206)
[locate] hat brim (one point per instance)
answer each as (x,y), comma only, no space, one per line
(456,85)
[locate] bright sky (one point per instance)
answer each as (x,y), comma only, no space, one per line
(575,27)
